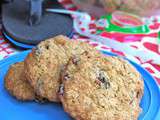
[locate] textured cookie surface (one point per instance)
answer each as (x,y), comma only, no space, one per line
(16,83)
(44,63)
(105,88)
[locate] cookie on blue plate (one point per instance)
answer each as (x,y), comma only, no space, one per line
(18,86)
(16,83)
(106,88)
(44,64)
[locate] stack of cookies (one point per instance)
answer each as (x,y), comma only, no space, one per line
(89,85)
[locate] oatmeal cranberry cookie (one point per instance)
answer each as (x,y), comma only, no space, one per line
(106,88)
(44,63)
(16,83)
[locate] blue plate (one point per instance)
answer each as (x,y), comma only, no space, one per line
(12,109)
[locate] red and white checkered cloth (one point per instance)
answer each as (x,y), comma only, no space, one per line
(147,43)
(6,49)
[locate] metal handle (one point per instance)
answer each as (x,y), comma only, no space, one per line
(35,12)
